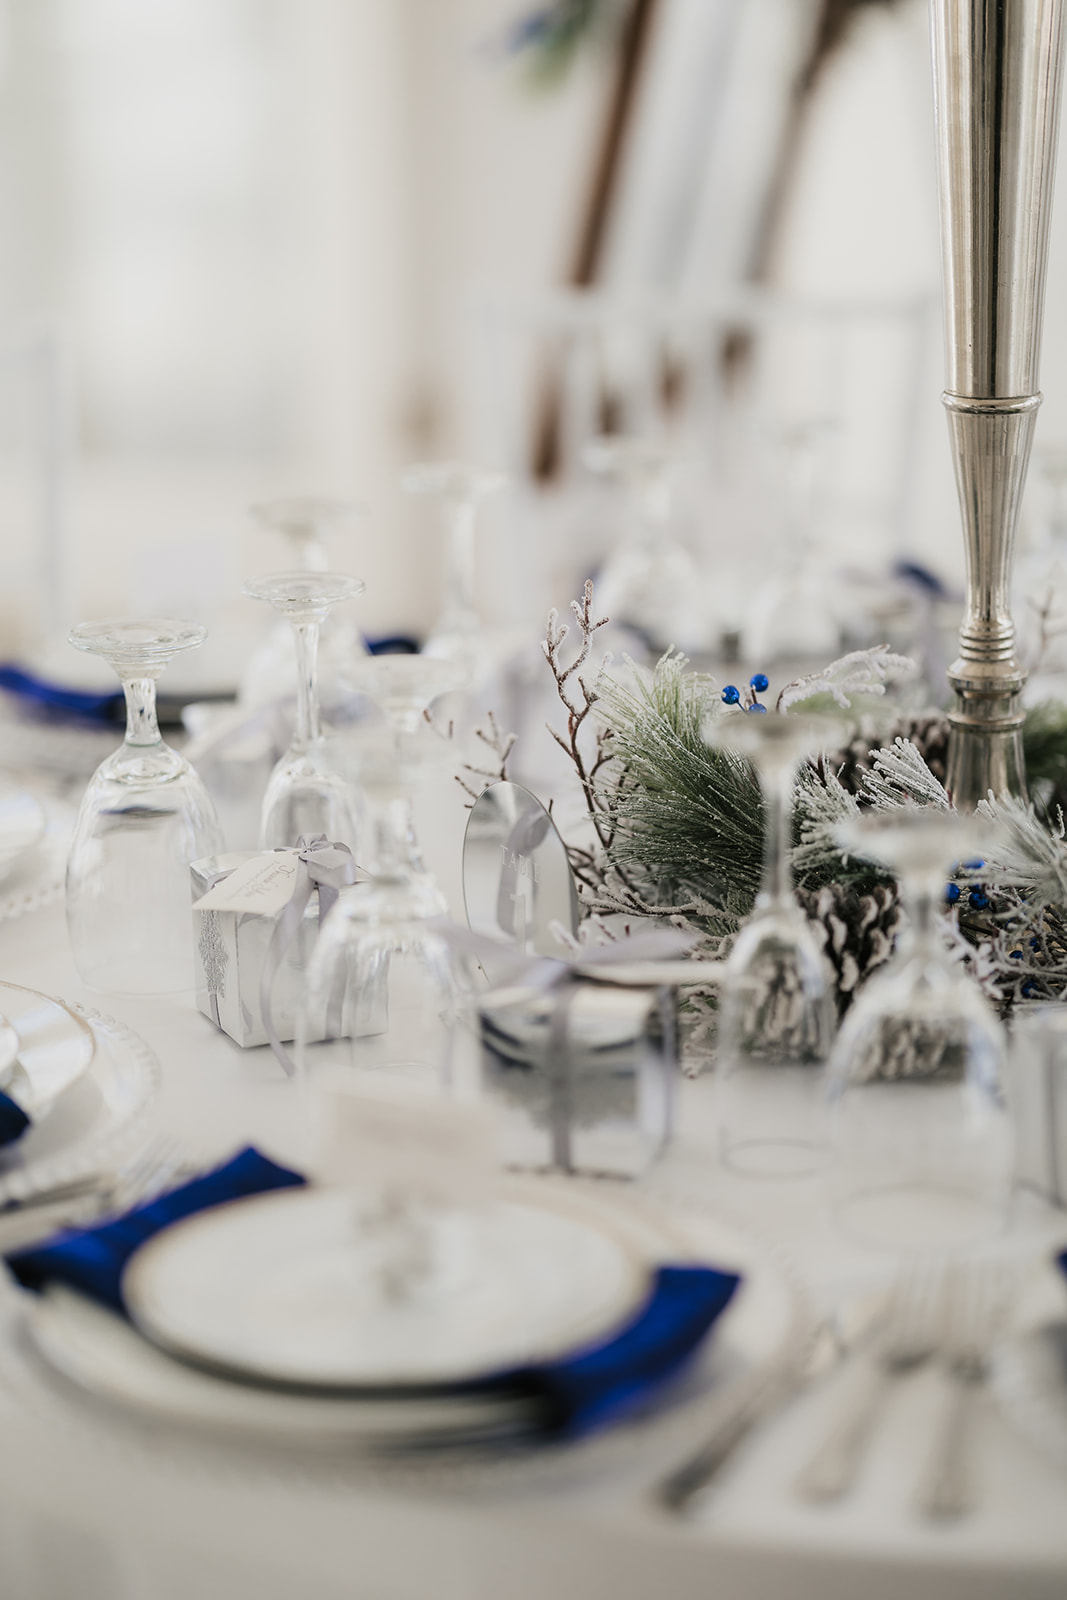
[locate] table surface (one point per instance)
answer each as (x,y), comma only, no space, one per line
(85,1516)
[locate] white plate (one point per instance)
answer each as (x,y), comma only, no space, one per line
(288,1288)
(101,1353)
(761,1335)
(22,825)
(55,1048)
(94,1122)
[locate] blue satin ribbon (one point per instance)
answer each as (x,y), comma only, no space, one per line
(92,1259)
(574,1395)
(13,1120)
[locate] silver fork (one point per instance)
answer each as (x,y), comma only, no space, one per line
(979,1294)
(911,1333)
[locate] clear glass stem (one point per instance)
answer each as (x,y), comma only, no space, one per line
(394,851)
(459,559)
(142,726)
(777,886)
(921,895)
(306,635)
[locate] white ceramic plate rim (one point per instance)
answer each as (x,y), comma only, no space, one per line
(145,1287)
(123,1069)
(46,1066)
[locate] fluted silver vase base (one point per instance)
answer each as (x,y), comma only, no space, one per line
(982,760)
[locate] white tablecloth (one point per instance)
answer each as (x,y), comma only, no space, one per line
(98,1518)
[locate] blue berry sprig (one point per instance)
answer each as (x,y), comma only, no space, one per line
(757,685)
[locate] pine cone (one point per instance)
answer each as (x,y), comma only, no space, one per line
(928,732)
(856,931)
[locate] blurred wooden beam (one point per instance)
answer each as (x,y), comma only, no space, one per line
(632,52)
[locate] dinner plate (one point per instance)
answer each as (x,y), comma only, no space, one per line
(55,1048)
(93,1353)
(94,1122)
(324,1288)
(22,825)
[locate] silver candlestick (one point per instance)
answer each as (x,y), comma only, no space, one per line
(998,67)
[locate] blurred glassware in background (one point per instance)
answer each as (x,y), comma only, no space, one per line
(396,991)
(143,818)
(459,634)
(776,1017)
(797,614)
(309,523)
(305,794)
(1040,592)
(649,581)
(919,1121)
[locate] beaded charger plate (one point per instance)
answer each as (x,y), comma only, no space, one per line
(95,1120)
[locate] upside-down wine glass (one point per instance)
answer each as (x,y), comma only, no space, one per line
(648,580)
(305,792)
(918,1115)
(307,523)
(459,634)
(776,1014)
(384,989)
(143,818)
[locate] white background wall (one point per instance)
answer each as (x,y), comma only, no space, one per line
(260,225)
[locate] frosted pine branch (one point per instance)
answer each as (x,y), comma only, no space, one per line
(859,672)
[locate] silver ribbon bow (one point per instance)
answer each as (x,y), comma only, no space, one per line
(324,866)
(647,959)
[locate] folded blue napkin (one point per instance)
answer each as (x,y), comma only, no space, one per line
(603,1382)
(13,1120)
(573,1395)
(92,1259)
(98,707)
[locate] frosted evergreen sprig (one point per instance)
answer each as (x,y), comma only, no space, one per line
(863,672)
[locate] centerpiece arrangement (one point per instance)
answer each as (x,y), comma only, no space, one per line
(675,822)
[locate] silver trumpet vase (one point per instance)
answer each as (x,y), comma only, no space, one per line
(998,68)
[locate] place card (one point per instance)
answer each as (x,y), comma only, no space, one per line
(261,886)
(386,1134)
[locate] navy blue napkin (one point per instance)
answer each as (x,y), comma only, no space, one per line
(92,1259)
(579,1392)
(600,1384)
(13,1120)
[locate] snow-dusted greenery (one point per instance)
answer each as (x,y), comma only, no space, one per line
(678,824)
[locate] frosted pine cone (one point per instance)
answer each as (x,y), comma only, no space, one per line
(927,732)
(856,931)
